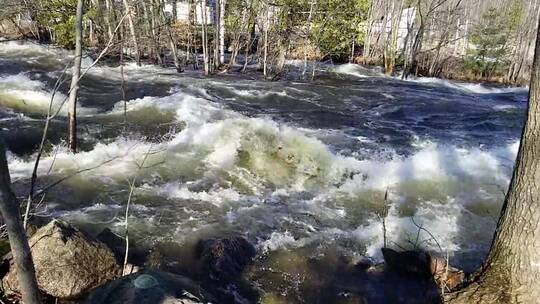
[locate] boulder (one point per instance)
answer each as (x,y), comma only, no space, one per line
(224,260)
(68,262)
(150,287)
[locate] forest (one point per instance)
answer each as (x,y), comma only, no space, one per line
(269,151)
(458,39)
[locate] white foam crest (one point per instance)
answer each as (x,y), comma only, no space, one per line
(189,109)
(477,88)
(108,162)
(441,221)
(356,70)
(434,163)
(21,93)
(252,153)
(278,240)
(257,93)
(216,197)
(27,47)
(258,150)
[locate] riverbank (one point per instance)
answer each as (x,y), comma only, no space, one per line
(73,266)
(294,68)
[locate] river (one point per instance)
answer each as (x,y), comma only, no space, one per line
(300,168)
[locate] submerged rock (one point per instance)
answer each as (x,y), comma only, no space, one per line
(68,262)
(150,287)
(224,260)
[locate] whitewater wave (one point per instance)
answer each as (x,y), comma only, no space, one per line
(222,157)
(23,94)
(280,182)
(476,88)
(356,70)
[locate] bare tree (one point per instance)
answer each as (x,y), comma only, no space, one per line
(76,71)
(204,37)
(221,31)
(9,207)
(266,25)
(129,13)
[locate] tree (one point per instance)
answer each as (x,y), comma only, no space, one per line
(204,37)
(132,31)
(336,23)
(491,38)
(9,207)
(221,30)
(72,103)
(511,272)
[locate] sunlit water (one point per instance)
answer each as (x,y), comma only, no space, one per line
(298,168)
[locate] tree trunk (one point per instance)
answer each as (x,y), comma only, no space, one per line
(222,31)
(204,38)
(265,58)
(109,19)
(511,272)
(308,36)
(9,207)
(172,43)
(74,88)
(367,44)
(174,11)
(132,32)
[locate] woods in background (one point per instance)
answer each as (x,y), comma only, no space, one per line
(462,39)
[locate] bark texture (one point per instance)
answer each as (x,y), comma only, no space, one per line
(72,103)
(9,207)
(511,273)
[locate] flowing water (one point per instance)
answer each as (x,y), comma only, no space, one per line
(298,168)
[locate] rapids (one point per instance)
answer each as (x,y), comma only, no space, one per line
(299,168)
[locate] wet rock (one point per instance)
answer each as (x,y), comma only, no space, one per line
(68,262)
(423,265)
(118,246)
(150,287)
(224,260)
(416,263)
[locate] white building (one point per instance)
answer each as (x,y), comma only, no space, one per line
(183,9)
(406,25)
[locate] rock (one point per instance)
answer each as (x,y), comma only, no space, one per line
(114,242)
(150,287)
(68,262)
(424,265)
(118,247)
(224,260)
(415,263)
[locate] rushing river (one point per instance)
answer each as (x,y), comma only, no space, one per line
(298,168)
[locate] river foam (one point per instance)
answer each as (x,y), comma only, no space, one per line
(223,158)
(23,94)
(476,88)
